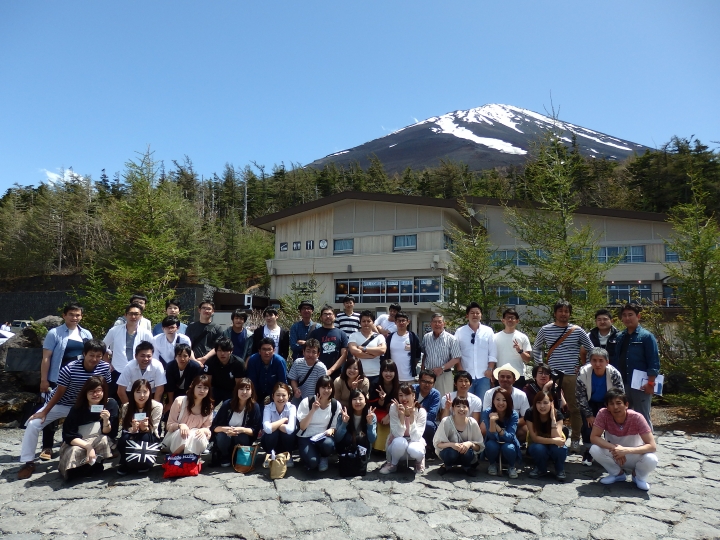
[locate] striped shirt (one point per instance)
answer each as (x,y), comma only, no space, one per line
(73,377)
(348,323)
(298,371)
(565,357)
(439,350)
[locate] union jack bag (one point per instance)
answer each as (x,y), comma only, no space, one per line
(141,454)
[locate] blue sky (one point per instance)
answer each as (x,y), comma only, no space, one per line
(87,84)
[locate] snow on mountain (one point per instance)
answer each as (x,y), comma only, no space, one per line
(484,137)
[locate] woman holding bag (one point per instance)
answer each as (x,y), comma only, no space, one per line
(88,430)
(139,423)
(279,418)
(317,417)
(458,439)
(238,421)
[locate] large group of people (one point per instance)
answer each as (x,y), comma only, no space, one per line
(354,383)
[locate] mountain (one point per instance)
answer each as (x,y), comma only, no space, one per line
(485,137)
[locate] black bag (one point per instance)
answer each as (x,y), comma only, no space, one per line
(352,462)
(139,452)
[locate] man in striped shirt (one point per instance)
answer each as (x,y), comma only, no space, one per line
(71,379)
(305,371)
(562,342)
(348,321)
(441,352)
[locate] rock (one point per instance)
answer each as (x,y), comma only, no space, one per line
(630,527)
(679,433)
(172,529)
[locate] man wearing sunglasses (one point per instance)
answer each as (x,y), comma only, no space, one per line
(477,346)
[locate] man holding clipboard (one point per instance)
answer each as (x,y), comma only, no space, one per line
(636,349)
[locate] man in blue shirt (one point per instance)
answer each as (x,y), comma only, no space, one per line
(300,330)
(429,399)
(636,349)
(61,346)
(241,337)
(265,368)
(172,309)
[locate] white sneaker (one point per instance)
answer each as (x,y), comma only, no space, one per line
(512,472)
(611,479)
(641,484)
(388,468)
(493,469)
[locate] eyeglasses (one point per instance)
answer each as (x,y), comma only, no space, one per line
(472,338)
(133,314)
(425,381)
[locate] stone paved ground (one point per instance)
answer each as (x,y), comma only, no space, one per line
(684,502)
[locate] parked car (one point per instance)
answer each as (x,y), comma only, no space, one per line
(17,326)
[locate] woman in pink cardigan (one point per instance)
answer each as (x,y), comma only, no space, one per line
(188,425)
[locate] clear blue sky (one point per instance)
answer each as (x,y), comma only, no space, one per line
(87,84)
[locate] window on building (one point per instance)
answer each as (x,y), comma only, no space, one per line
(343,246)
(627,254)
(509,296)
(427,289)
(382,291)
(670,255)
(448,242)
(343,287)
(625,292)
(405,242)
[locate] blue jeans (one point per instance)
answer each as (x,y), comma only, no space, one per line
(451,457)
(493,449)
(428,435)
(311,452)
(542,452)
(278,441)
(480,386)
(225,444)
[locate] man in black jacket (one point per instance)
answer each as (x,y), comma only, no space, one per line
(272,330)
(403,348)
(604,334)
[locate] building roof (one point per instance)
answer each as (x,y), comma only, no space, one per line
(267,222)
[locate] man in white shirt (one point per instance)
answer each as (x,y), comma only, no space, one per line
(165,343)
(477,346)
(122,340)
(463,382)
(367,346)
(513,347)
(143,367)
(506,376)
(385,323)
(143,322)
(403,348)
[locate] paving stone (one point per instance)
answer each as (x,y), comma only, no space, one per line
(19,524)
(215,495)
(81,507)
(244,481)
(257,494)
(667,516)
(180,509)
(559,494)
(341,492)
(585,514)
(606,504)
(278,527)
(323,535)
(289,484)
(66,525)
(311,508)
(492,504)
(446,517)
(216,515)
(422,505)
(352,509)
(397,513)
(33,508)
(300,496)
(486,526)
(413,530)
(363,528)
(487,487)
(566,527)
(313,523)
(693,528)
(256,509)
(129,508)
(374,499)
(630,527)
(236,528)
(180,528)
(522,522)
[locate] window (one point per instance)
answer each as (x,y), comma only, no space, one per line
(343,287)
(670,255)
(427,289)
(448,242)
(509,296)
(382,291)
(343,246)
(625,292)
(405,242)
(627,254)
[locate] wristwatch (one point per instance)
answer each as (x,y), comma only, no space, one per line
(364,349)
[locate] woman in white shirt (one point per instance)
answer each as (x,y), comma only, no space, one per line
(407,425)
(279,422)
(458,439)
(317,418)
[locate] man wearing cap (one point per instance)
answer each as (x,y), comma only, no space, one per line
(441,352)
(506,376)
(271,329)
(300,330)
(347,320)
